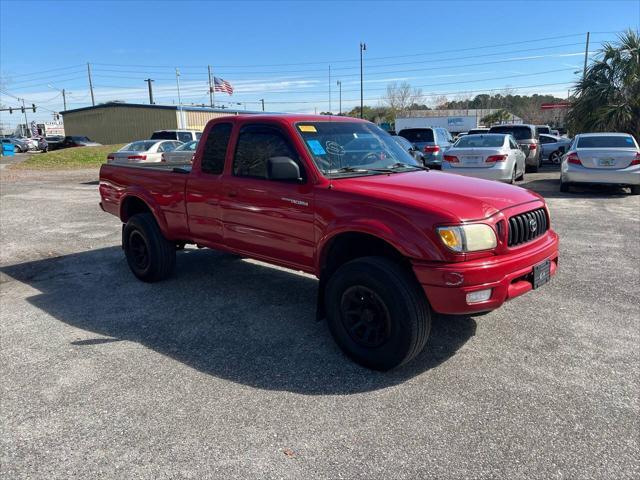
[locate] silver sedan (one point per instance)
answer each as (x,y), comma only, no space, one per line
(181,155)
(143,151)
(604,158)
(553,147)
(493,156)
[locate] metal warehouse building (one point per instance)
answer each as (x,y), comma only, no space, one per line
(112,123)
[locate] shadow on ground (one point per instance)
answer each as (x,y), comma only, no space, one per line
(550,187)
(224,316)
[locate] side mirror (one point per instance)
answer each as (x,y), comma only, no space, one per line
(283,168)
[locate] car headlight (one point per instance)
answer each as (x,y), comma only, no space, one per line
(468,238)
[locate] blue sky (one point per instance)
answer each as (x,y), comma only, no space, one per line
(282,51)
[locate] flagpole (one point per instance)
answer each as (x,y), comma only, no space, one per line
(211,90)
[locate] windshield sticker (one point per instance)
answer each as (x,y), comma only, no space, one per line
(335,148)
(316,146)
(307,128)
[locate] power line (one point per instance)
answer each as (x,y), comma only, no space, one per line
(46,71)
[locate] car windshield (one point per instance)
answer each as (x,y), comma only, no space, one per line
(479,141)
(353,148)
(417,134)
(189,146)
(519,133)
(606,141)
(403,142)
(138,146)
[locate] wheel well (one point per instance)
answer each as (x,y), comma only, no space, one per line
(132,206)
(349,246)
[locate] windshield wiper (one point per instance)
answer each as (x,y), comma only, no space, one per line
(354,170)
(395,166)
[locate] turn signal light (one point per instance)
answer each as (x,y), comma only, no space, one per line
(431,148)
(574,158)
(110,157)
(636,161)
(532,147)
(496,158)
(451,159)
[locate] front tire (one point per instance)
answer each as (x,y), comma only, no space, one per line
(150,256)
(377,313)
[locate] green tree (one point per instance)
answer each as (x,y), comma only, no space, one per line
(496,117)
(608,97)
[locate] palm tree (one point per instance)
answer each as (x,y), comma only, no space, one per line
(607,98)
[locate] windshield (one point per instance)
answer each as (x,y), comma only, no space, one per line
(138,146)
(417,134)
(189,146)
(520,133)
(473,141)
(606,141)
(342,147)
(403,142)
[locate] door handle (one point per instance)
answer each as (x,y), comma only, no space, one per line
(232,193)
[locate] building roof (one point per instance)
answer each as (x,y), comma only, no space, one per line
(462,112)
(185,108)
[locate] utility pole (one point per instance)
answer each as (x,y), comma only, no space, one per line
(339,97)
(180,125)
(149,81)
(26,122)
(363,47)
(586,54)
(329,87)
(93,100)
(64,95)
(210,87)
(262,100)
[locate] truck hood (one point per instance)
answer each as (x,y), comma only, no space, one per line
(465,198)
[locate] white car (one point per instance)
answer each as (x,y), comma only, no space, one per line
(604,158)
(492,156)
(143,151)
(181,155)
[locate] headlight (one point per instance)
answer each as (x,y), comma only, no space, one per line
(468,238)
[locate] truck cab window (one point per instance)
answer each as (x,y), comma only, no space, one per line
(216,149)
(256,144)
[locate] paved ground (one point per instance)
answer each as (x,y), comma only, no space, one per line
(223,372)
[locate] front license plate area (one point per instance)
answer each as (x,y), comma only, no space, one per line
(541,273)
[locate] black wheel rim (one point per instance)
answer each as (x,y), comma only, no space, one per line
(365,317)
(139,250)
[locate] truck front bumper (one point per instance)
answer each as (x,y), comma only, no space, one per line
(506,276)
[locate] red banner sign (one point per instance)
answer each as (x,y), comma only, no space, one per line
(553,106)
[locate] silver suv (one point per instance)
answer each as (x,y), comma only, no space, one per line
(529,141)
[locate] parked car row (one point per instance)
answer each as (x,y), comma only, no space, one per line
(164,146)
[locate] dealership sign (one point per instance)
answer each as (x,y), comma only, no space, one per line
(554,106)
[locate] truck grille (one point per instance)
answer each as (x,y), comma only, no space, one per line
(527,226)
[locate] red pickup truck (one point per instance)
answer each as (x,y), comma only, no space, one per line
(390,240)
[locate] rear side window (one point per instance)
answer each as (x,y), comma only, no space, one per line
(416,135)
(256,144)
(606,141)
(185,137)
(216,148)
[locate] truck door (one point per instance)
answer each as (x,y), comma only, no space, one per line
(265,218)
(204,188)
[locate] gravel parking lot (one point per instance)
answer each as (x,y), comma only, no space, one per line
(223,372)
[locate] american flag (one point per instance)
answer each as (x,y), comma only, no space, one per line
(220,85)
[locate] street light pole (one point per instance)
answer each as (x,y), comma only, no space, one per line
(262,100)
(148,80)
(339,97)
(363,47)
(179,100)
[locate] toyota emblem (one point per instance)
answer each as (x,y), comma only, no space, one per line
(533,225)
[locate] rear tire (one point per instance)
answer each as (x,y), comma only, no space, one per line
(513,176)
(555,158)
(531,168)
(564,187)
(150,256)
(377,313)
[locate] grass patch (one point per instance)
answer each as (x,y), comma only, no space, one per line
(68,158)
